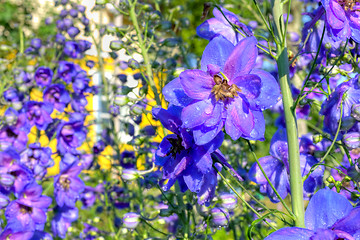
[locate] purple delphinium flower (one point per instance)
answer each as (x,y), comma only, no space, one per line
(13,235)
(78,102)
(68,186)
(220,26)
(36,43)
(329,215)
(14,176)
(72,50)
(276,167)
(227,91)
(73,32)
(38,113)
(342,19)
(14,133)
(88,197)
(184,161)
(66,71)
(316,24)
(37,159)
(71,134)
(62,220)
(59,38)
(43,76)
(57,95)
(28,212)
(349,94)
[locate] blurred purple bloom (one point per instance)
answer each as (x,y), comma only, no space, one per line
(276,167)
(28,212)
(38,113)
(329,215)
(9,234)
(72,50)
(57,95)
(73,13)
(71,134)
(43,76)
(36,43)
(14,134)
(66,71)
(62,220)
(227,91)
(342,19)
(184,161)
(37,159)
(73,32)
(220,26)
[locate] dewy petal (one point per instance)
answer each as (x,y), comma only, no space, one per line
(325,208)
(354,23)
(269,164)
(203,134)
(350,223)
(249,85)
(269,92)
(259,127)
(232,130)
(241,116)
(197,84)
(278,145)
(216,115)
(291,233)
(242,58)
(215,143)
(280,180)
(210,28)
(335,15)
(175,94)
(168,120)
(196,114)
(216,52)
(193,179)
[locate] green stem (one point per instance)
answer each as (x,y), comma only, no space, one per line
(241,198)
(144,52)
(21,38)
(296,184)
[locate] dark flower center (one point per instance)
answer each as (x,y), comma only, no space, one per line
(25,209)
(348,4)
(176,145)
(10,133)
(65,183)
(222,90)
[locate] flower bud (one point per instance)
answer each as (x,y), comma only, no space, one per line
(115,45)
(131,220)
(121,100)
(220,217)
(4,201)
(228,201)
(136,109)
(130,174)
(352,140)
(317,138)
(355,111)
(7,180)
